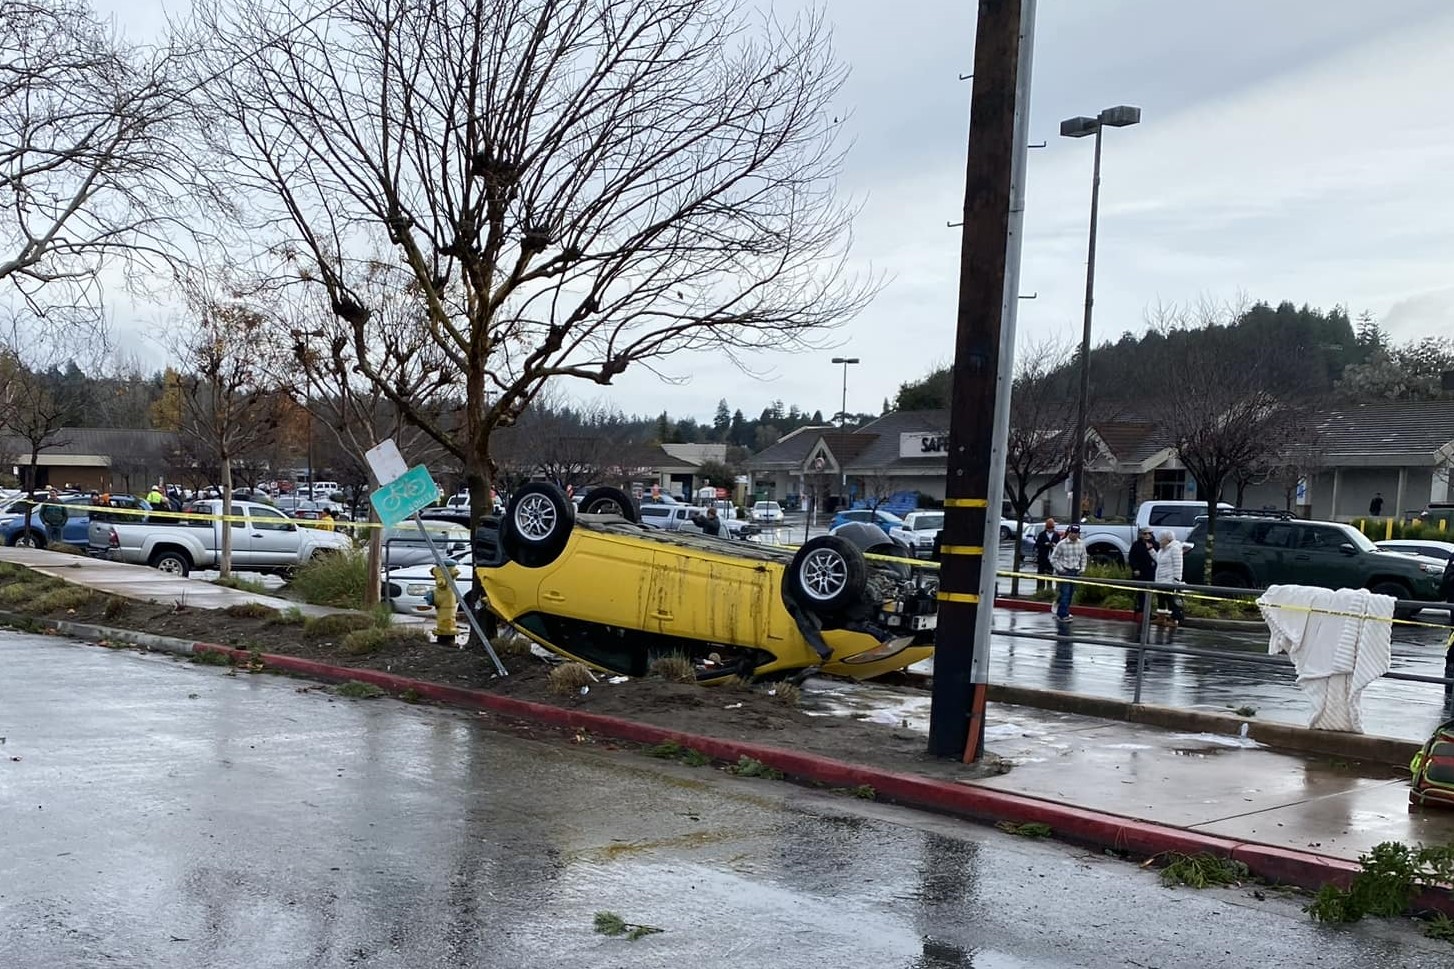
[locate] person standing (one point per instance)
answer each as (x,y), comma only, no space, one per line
(325,520)
(1168,570)
(1142,560)
(1068,560)
(1375,507)
(1044,545)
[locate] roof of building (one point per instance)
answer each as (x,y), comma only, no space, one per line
(791,450)
(113,442)
(1402,427)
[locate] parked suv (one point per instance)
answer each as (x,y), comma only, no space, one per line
(1256,551)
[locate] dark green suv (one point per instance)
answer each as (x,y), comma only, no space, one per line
(1256,551)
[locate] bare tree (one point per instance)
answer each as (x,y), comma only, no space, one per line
(321,370)
(85,152)
(228,409)
(1040,449)
(1220,413)
(35,406)
(571,186)
(878,486)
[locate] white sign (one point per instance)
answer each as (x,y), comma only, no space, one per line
(386,462)
(924,444)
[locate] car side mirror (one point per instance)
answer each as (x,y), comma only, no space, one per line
(1347,549)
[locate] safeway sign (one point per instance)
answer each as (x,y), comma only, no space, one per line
(924,444)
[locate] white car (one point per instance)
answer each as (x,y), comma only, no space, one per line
(409,589)
(1443,551)
(918,531)
(767,511)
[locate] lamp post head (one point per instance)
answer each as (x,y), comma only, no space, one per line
(1120,116)
(1078,127)
(845,359)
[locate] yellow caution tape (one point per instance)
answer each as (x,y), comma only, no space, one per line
(163,515)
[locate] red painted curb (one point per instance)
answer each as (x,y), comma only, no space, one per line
(1089,612)
(1068,822)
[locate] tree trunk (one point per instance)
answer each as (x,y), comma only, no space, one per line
(478,476)
(225,556)
(30,490)
(1211,536)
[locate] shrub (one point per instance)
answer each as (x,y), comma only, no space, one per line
(675,668)
(65,549)
(568,678)
(291,616)
(116,607)
(61,599)
(250,610)
(788,694)
(362,642)
(333,580)
(511,644)
(359,691)
(242,585)
(336,625)
(1094,595)
(1119,600)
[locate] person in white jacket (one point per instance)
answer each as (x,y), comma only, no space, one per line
(1169,570)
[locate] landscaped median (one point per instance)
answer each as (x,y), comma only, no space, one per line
(734,724)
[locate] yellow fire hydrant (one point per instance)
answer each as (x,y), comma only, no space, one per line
(446,620)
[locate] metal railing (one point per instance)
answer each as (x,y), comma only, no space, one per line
(1144,644)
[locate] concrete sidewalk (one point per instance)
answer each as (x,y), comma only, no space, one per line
(1207,783)
(146,584)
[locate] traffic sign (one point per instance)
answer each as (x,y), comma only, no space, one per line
(406,494)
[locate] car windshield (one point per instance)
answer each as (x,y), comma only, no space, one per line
(1359,540)
(892,519)
(927,523)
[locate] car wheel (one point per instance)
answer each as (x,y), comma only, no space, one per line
(1395,590)
(172,563)
(29,539)
(1004,534)
(1231,580)
(538,524)
(610,501)
(1104,555)
(827,575)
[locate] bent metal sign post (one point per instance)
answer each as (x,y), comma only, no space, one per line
(923,444)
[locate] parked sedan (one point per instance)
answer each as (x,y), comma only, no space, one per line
(869,516)
(767,511)
(1418,546)
(410,590)
(405,546)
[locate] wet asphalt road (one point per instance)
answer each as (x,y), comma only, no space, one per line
(167,815)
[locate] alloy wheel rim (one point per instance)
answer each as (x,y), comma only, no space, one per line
(824,574)
(535,517)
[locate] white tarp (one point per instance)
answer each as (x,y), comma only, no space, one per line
(1339,642)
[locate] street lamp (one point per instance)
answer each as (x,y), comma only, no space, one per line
(843,414)
(1120,116)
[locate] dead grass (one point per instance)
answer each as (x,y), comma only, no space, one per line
(336,625)
(62,599)
(675,668)
(788,694)
(568,678)
(510,645)
(250,610)
(362,642)
(291,616)
(116,607)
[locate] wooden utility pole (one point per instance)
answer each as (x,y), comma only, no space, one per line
(983,369)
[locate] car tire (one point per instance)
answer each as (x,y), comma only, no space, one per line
(538,524)
(29,538)
(1395,590)
(1004,534)
(172,563)
(1105,555)
(1231,580)
(610,501)
(827,575)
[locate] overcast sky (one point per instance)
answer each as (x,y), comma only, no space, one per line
(1299,150)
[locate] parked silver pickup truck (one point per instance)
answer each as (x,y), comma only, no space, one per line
(265,540)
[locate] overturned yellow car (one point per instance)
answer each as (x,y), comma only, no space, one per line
(601,588)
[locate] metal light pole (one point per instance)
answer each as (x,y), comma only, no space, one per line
(1120,116)
(843,411)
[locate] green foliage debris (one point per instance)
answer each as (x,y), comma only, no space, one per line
(609,923)
(752,767)
(356,690)
(1025,829)
(1202,870)
(1392,876)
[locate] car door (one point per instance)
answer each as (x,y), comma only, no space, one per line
(599,578)
(78,523)
(272,539)
(1319,559)
(1267,553)
(711,598)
